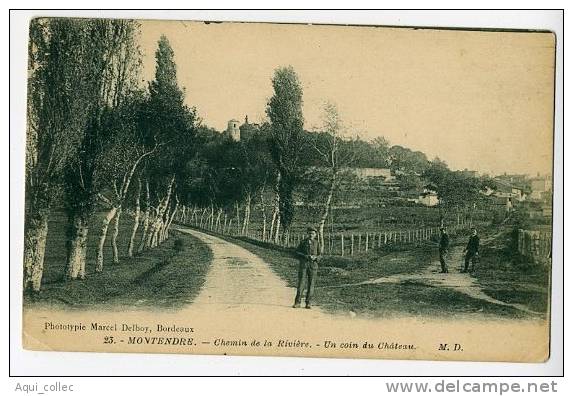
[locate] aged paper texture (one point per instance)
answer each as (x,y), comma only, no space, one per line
(288,190)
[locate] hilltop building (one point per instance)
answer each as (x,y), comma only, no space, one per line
(428,198)
(370,173)
(233,131)
(505,190)
(242,132)
(247,129)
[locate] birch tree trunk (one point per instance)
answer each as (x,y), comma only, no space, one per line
(163,227)
(277,228)
(153,239)
(34,249)
(102,237)
(238,217)
(146,215)
(114,236)
(203,211)
(194,216)
(275,224)
(263,215)
(218,221)
(247,215)
(159,219)
(77,244)
(153,234)
(326,211)
(171,220)
(135,220)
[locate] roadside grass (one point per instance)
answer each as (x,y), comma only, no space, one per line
(338,270)
(168,276)
(508,277)
(410,299)
(337,292)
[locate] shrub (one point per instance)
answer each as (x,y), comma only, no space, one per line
(179,245)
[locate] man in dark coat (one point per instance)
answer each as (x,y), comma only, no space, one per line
(443,249)
(471,250)
(308,253)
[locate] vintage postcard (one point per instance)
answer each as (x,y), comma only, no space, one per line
(288,190)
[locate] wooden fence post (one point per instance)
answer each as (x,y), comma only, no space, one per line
(342,244)
(366,246)
(352,244)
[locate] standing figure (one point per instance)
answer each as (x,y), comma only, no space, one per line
(471,250)
(444,246)
(308,253)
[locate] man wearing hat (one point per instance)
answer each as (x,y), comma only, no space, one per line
(308,253)
(443,249)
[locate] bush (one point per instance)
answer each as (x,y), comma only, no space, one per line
(498,217)
(179,245)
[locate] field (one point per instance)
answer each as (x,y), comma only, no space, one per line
(352,231)
(162,277)
(363,219)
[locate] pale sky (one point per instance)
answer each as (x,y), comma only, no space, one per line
(478,100)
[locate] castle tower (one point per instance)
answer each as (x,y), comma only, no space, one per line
(248,130)
(233,130)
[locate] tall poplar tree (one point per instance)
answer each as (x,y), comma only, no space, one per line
(110,41)
(284,110)
(169,124)
(57,111)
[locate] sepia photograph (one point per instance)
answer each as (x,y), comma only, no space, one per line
(283,189)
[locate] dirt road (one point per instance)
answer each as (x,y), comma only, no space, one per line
(239,279)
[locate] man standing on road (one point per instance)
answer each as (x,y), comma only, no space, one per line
(471,250)
(444,246)
(308,253)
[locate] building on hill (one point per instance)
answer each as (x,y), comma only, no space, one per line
(248,129)
(517,179)
(503,189)
(243,132)
(369,173)
(502,202)
(233,131)
(428,198)
(469,173)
